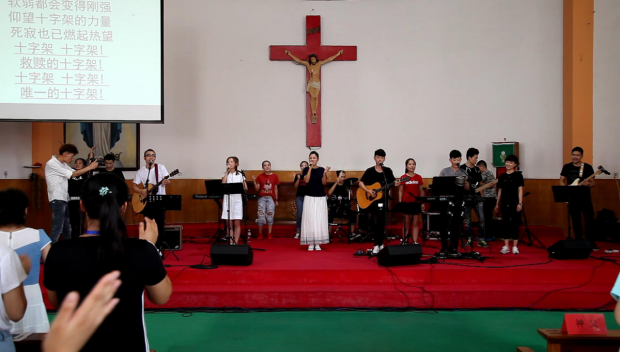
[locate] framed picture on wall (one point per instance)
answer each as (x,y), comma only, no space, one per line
(120,139)
(501,150)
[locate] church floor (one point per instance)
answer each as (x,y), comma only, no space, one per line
(353,331)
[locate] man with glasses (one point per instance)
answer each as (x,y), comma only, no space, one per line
(154,173)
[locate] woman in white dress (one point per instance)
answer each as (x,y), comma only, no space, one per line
(314,224)
(233,175)
(35,244)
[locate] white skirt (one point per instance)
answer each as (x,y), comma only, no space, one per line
(35,320)
(314,225)
(236,210)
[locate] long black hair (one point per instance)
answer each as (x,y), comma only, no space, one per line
(103,195)
(13,204)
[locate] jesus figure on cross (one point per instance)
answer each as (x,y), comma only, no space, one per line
(314,83)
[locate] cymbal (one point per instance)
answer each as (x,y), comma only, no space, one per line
(352,180)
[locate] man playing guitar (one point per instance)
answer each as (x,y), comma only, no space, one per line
(155,173)
(577,169)
(378,174)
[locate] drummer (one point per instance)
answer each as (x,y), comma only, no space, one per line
(340,194)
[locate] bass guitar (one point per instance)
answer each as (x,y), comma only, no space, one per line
(487,185)
(138,202)
(364,200)
(601,170)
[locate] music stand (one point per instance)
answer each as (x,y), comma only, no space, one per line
(227,190)
(406,208)
(214,191)
(569,194)
(165,202)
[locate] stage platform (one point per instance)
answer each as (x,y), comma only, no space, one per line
(287,276)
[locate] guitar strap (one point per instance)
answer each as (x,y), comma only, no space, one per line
(581,170)
(156,174)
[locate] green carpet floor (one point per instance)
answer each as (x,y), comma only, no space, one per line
(352,331)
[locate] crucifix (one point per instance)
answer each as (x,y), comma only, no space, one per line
(313,55)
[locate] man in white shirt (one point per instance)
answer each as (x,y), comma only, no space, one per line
(57,175)
(154,173)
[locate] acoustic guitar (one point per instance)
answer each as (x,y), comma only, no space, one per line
(138,203)
(601,170)
(364,200)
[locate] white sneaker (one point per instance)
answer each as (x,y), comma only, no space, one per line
(317,247)
(505,250)
(310,247)
(376,250)
(297,235)
(381,247)
(515,250)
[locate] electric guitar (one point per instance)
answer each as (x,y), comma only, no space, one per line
(487,185)
(138,203)
(601,170)
(364,200)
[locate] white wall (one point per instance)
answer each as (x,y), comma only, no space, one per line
(431,76)
(607,84)
(15,149)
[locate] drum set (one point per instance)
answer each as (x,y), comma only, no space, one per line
(343,211)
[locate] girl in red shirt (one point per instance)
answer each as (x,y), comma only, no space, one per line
(407,192)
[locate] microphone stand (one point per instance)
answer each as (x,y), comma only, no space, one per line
(386,198)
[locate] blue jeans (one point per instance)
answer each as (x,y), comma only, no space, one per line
(6,341)
(266,209)
(60,220)
(479,209)
(300,210)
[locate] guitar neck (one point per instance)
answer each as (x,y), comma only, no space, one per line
(590,177)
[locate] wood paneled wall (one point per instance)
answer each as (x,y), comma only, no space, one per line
(539,205)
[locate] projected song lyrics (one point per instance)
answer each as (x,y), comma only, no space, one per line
(60,48)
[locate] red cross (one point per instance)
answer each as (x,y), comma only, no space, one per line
(313,46)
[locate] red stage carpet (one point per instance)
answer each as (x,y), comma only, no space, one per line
(287,275)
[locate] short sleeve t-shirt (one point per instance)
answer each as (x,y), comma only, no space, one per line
(301,186)
(488,177)
(153,177)
(76,266)
(411,188)
(571,172)
(12,274)
(474,176)
(27,241)
(341,191)
(509,184)
(371,176)
(75,185)
(315,188)
(268,184)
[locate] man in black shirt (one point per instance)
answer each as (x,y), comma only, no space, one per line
(109,161)
(474,177)
(378,174)
(578,170)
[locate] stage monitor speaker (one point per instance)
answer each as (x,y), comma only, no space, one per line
(400,255)
(231,255)
(570,249)
(173,236)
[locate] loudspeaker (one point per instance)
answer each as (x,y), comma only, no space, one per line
(173,236)
(570,249)
(400,255)
(231,255)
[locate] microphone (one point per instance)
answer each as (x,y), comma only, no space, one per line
(381,164)
(151,162)
(458,164)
